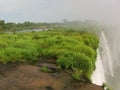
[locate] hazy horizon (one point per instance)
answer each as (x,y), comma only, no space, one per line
(106,11)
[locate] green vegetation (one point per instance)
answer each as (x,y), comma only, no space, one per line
(77,74)
(85,26)
(73,50)
(106,87)
(44,69)
(11,27)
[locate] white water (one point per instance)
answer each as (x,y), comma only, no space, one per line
(112,66)
(98,76)
(105,53)
(104,65)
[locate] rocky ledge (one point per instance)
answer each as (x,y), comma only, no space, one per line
(30,77)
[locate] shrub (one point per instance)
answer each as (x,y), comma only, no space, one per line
(77,74)
(72,49)
(11,54)
(3,44)
(44,69)
(65,62)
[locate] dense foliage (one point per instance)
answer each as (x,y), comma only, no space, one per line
(87,25)
(10,26)
(73,50)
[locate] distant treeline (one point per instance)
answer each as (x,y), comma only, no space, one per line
(10,26)
(87,25)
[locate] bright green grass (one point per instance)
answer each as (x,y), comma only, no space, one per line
(72,49)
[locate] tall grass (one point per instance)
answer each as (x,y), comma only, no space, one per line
(71,49)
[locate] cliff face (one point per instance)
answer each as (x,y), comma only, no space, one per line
(30,77)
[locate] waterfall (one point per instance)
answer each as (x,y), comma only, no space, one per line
(111,57)
(105,54)
(98,76)
(103,62)
(108,59)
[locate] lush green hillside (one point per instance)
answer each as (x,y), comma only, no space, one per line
(72,50)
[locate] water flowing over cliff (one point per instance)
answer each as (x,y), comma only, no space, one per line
(98,76)
(108,60)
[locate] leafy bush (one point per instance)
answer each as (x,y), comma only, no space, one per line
(71,49)
(44,69)
(3,44)
(77,74)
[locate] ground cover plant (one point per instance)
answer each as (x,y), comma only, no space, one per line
(73,50)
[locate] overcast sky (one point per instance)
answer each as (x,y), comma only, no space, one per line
(57,10)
